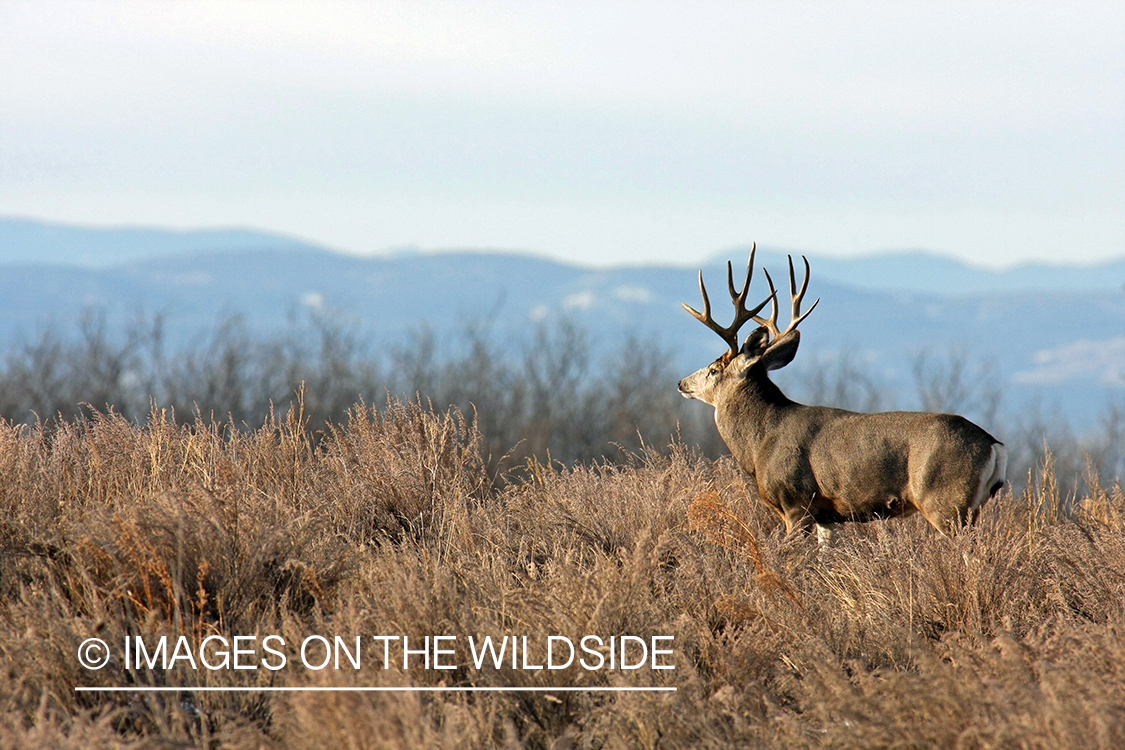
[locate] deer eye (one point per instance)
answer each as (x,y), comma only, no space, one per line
(712,371)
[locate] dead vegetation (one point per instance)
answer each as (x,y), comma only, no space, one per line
(1008,635)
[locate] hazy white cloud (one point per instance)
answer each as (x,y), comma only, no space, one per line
(583,300)
(592,131)
(1100,361)
(637,294)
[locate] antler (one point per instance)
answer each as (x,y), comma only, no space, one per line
(795,298)
(729,334)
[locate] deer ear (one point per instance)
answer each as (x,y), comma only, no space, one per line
(782,350)
(755,342)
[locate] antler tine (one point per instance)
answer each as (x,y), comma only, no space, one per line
(796,316)
(740,299)
(706,301)
(705,316)
(795,297)
(771,324)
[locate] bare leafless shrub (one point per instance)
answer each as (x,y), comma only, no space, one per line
(1107,450)
(844,381)
(956,384)
(546,396)
(551,399)
(52,375)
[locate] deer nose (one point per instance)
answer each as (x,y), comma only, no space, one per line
(682,388)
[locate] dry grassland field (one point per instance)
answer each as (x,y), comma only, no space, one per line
(205,556)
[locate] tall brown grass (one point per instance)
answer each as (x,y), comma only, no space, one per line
(1010,634)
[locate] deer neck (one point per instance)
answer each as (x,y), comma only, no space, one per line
(750,408)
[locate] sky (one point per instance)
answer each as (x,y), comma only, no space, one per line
(595,132)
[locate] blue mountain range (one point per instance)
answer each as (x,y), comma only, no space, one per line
(1051,336)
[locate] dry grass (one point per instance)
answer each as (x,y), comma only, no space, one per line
(1011,634)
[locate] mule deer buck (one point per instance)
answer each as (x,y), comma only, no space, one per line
(822,466)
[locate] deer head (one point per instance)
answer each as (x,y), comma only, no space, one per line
(766,347)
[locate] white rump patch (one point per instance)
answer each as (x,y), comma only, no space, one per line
(995,469)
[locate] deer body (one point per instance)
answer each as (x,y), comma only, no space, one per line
(819,465)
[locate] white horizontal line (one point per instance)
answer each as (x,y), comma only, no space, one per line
(504,689)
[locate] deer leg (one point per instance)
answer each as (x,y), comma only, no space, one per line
(947,517)
(952,510)
(797,519)
(825,534)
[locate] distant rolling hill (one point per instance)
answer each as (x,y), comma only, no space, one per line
(923,271)
(1057,345)
(30,241)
